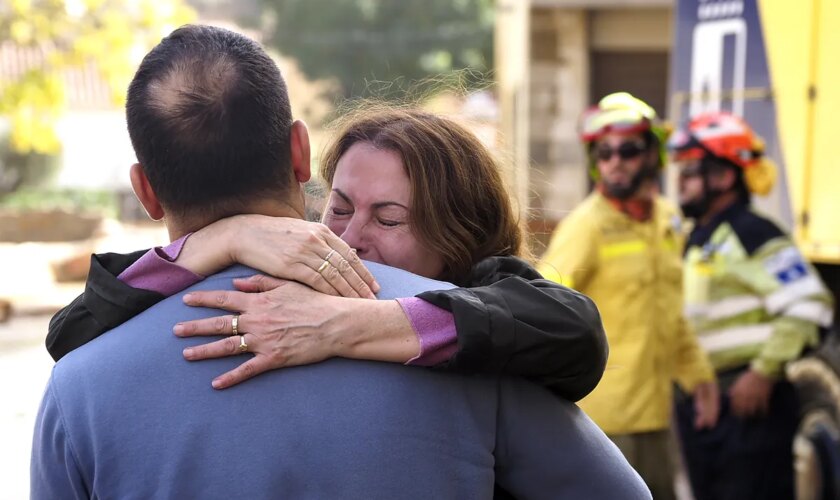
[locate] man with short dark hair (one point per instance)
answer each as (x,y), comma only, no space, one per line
(125,416)
(222,103)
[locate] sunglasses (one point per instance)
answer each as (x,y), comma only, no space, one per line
(625,151)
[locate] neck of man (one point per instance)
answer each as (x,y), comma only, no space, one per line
(181,226)
(639,205)
(718,205)
(646,192)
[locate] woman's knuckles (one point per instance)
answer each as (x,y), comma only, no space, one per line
(221,298)
(314,237)
(248,370)
(231,344)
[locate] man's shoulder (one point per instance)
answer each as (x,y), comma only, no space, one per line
(397,283)
(540,431)
(754,230)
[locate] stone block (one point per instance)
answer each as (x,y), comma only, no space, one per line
(5,310)
(47,226)
(71,269)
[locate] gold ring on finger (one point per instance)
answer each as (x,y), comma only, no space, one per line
(324,265)
(234,325)
(243,347)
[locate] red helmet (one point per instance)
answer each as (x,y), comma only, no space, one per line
(720,134)
(726,136)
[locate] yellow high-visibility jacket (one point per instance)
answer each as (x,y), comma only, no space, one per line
(633,272)
(750,296)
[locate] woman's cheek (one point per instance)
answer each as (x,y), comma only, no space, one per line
(335,225)
(398,249)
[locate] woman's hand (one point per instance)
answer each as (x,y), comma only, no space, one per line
(287,248)
(289,324)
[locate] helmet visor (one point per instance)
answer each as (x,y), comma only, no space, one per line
(598,122)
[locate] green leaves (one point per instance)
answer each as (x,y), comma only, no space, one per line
(58,37)
(363,43)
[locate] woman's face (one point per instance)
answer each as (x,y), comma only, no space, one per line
(368,208)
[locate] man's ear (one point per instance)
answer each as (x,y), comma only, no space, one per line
(143,191)
(301,155)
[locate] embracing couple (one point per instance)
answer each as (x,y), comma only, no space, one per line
(145,407)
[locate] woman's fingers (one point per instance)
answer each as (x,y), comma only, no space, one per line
(281,327)
(243,372)
(218,349)
(218,299)
(350,266)
(231,346)
(257,283)
(336,279)
(310,277)
(351,275)
(315,251)
(220,325)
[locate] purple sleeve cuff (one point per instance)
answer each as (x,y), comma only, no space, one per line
(435,329)
(157,271)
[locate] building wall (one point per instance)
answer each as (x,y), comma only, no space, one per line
(631,29)
(512,74)
(559,94)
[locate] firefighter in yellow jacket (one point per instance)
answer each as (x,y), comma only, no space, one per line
(755,304)
(622,247)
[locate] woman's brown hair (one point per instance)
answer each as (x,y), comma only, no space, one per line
(459,205)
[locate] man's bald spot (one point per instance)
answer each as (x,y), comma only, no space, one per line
(194,94)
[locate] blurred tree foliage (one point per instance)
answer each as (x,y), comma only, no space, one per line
(113,35)
(381,46)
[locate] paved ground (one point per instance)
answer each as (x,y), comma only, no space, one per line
(24,369)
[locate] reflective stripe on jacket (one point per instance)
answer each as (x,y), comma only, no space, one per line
(751,297)
(633,272)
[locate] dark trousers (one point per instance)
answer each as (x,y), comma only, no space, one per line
(650,453)
(741,458)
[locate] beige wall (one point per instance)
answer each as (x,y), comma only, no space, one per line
(512,62)
(624,29)
(559,94)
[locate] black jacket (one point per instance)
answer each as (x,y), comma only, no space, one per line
(510,320)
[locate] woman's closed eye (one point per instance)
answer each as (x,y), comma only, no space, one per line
(391,215)
(340,212)
(389,223)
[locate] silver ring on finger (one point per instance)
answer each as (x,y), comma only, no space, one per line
(234,324)
(243,346)
(327,258)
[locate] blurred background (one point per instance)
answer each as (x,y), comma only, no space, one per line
(518,72)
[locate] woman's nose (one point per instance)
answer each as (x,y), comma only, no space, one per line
(354,236)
